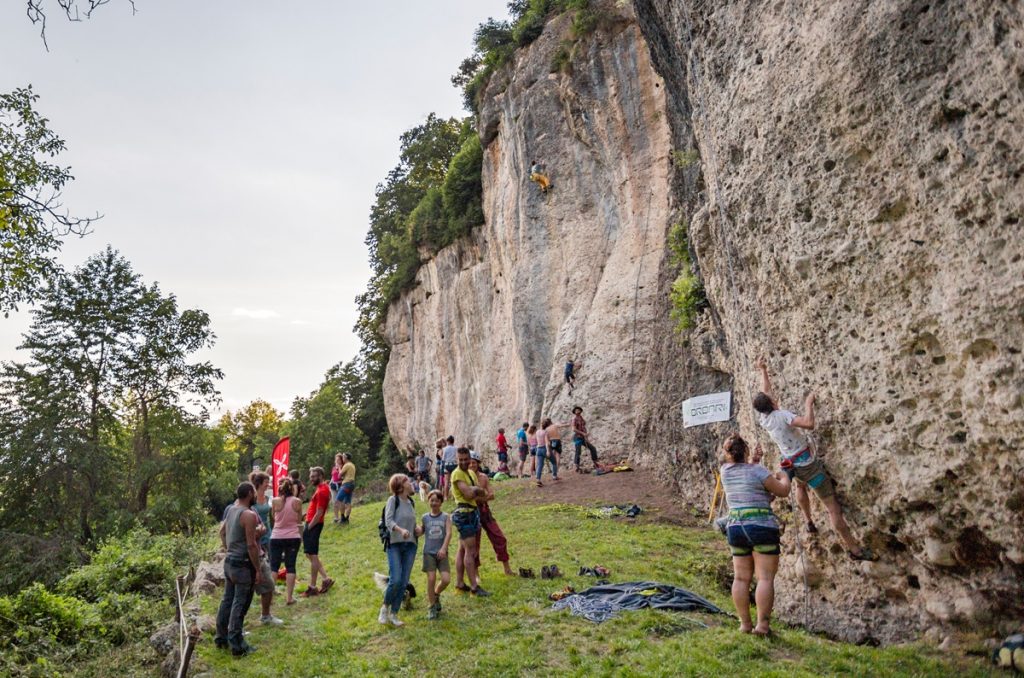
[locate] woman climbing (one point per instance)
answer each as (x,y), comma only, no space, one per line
(752,531)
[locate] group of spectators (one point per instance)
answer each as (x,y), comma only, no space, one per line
(260,535)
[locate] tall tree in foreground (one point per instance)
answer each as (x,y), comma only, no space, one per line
(33,222)
(107,353)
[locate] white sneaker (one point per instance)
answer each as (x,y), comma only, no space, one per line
(384,616)
(271,620)
(395,621)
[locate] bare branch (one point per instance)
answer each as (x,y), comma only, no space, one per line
(36,12)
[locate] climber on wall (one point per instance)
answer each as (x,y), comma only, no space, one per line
(800,462)
(538,174)
(570,374)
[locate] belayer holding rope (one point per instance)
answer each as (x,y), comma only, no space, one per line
(752,531)
(800,463)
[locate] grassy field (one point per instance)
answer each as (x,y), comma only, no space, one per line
(515,632)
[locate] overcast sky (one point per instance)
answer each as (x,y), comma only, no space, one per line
(233,148)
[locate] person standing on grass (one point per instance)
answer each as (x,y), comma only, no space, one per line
(423,467)
(542,454)
(286,538)
(800,462)
(239,538)
(581,438)
(298,487)
(346,487)
(335,484)
(524,447)
(437,534)
(449,457)
(554,444)
(502,445)
(466,519)
(752,531)
(400,520)
(531,440)
(311,535)
(261,481)
(488,523)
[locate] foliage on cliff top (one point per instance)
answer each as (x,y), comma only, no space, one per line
(496,41)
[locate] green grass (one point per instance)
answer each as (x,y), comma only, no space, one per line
(515,632)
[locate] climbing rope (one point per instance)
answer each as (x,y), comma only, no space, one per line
(636,286)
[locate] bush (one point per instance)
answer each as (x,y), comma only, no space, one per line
(130,616)
(135,563)
(36,615)
(687,294)
(27,558)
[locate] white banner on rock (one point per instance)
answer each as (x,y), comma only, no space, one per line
(708,408)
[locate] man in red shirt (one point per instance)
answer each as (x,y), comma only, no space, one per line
(502,446)
(314,526)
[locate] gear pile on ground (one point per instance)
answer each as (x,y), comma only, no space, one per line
(601,603)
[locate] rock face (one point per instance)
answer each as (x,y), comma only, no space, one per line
(854,212)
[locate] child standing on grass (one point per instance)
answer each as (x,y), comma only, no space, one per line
(437,531)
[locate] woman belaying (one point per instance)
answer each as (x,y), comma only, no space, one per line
(752,531)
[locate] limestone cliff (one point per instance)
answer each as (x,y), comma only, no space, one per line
(854,212)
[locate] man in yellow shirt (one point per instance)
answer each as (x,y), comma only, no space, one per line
(348,485)
(466,518)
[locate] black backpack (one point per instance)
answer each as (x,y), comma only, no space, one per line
(382,529)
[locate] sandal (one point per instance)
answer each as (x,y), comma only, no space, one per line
(326,586)
(865,554)
(310,592)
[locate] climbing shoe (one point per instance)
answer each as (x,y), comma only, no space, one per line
(553,572)
(526,573)
(461,587)
(545,573)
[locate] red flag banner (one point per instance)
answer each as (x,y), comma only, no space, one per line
(279,461)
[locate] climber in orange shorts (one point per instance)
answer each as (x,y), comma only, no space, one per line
(539,176)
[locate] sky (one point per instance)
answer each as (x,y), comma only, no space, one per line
(233,148)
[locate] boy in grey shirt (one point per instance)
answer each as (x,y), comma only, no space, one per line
(437,533)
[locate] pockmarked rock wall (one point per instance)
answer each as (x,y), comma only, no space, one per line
(862,227)
(850,174)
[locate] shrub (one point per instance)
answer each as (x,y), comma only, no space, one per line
(687,294)
(129,616)
(135,563)
(37,615)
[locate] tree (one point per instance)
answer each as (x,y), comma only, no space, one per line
(322,426)
(106,353)
(251,433)
(32,221)
(74,10)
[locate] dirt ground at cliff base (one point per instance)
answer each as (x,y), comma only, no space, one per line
(658,501)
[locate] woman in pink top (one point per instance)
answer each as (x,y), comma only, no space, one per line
(286,539)
(335,484)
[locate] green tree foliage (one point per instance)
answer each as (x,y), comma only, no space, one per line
(32,222)
(324,425)
(495,42)
(87,419)
(251,433)
(430,199)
